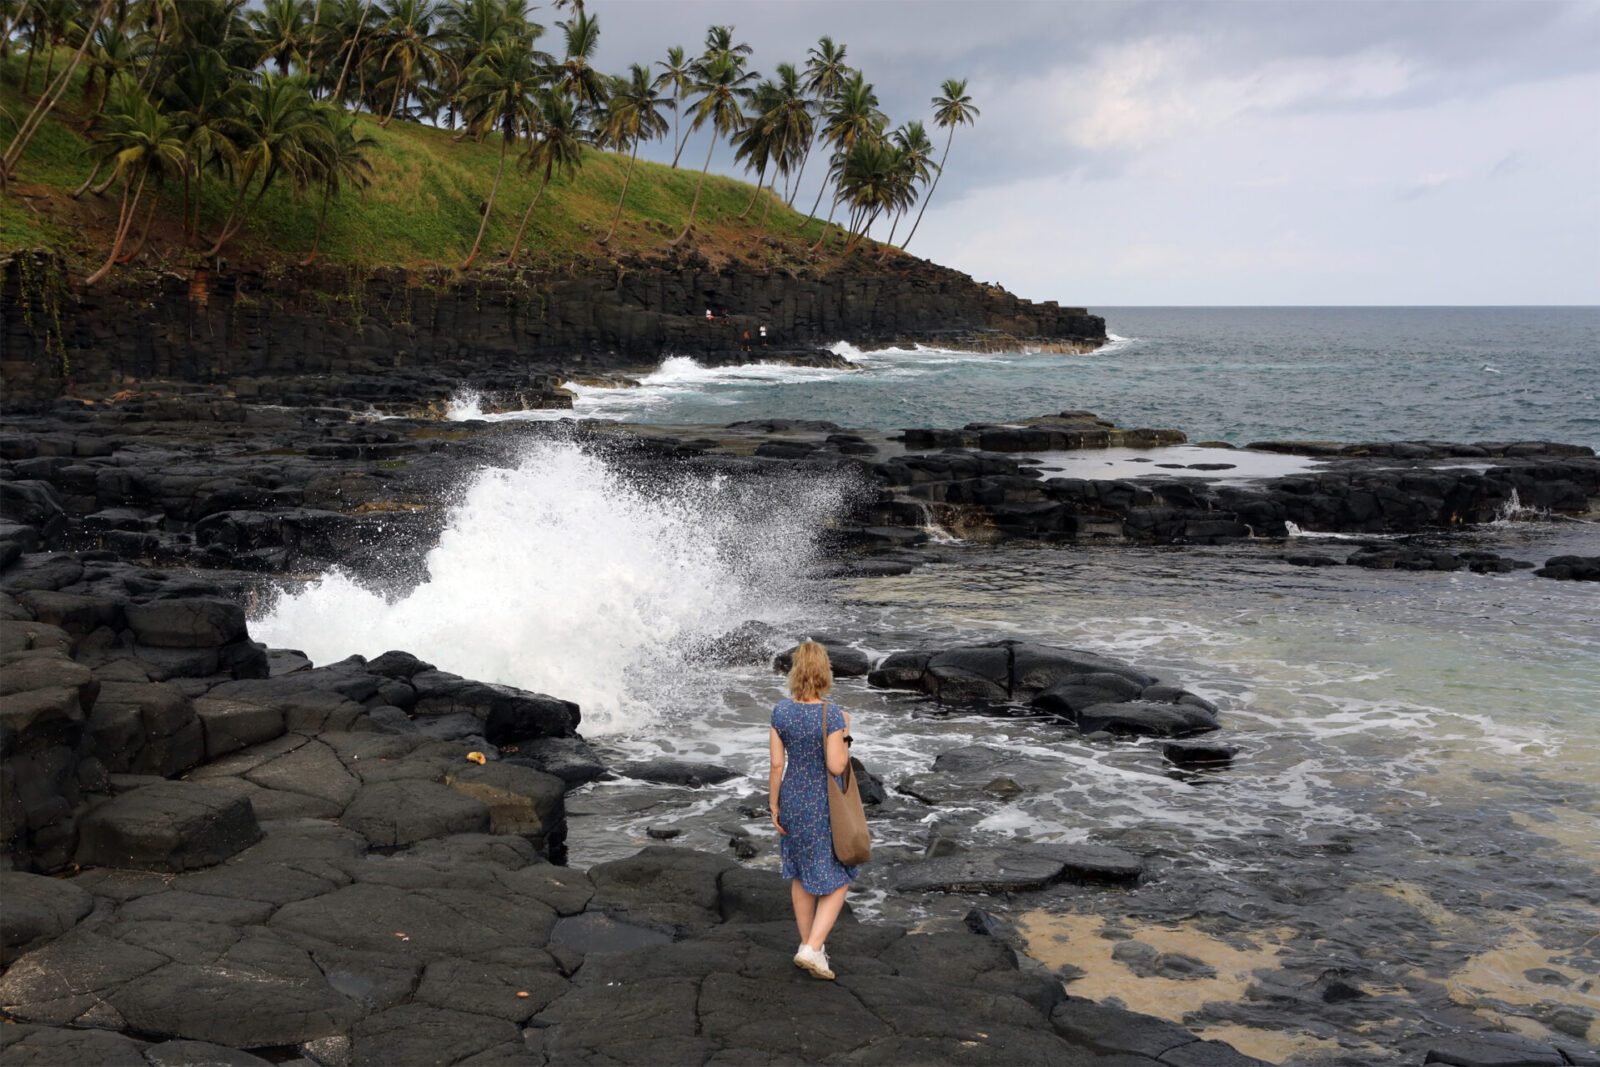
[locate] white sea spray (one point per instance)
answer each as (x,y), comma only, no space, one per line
(565,576)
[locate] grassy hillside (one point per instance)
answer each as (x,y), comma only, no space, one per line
(421,208)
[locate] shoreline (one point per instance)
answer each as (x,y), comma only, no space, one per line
(309,488)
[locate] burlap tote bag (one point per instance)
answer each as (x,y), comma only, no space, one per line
(851,845)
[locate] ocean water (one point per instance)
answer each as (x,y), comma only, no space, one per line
(1414,816)
(1227,374)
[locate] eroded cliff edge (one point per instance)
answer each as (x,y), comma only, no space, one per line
(596,317)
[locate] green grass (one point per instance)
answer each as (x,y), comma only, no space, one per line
(421,208)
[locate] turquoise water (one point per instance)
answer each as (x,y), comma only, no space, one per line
(1231,374)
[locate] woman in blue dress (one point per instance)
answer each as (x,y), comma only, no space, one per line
(798,799)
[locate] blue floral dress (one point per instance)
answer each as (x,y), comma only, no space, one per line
(807,848)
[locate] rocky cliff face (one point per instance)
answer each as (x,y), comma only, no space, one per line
(604,317)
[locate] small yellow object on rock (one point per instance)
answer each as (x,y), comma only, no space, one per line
(521,993)
(477,757)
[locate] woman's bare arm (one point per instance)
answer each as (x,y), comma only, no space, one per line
(838,752)
(775,776)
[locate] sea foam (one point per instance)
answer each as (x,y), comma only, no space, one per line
(564,576)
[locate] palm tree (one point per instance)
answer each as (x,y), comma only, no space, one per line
(874,179)
(57,20)
(141,142)
(916,156)
(110,54)
(285,32)
(851,118)
(354,16)
(574,76)
(51,95)
(952,108)
(720,39)
(339,161)
(503,93)
(754,145)
(12,15)
(634,116)
(793,126)
(471,28)
(723,84)
(678,74)
(412,47)
(279,135)
(559,146)
(826,73)
(204,99)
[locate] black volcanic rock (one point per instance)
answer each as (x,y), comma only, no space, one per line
(170,826)
(1571,568)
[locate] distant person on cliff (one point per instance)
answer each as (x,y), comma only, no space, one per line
(747,340)
(763,337)
(798,800)
(709,317)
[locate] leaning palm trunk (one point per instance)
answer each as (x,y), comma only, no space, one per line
(765,208)
(144,233)
(488,208)
(93,174)
(678,151)
(823,236)
(702,184)
(818,202)
(355,37)
(626,179)
(124,221)
(235,220)
(931,188)
(51,95)
(526,215)
(399,86)
(27,68)
(760,178)
(316,242)
(801,173)
(856,240)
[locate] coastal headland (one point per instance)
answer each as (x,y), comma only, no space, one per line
(514,331)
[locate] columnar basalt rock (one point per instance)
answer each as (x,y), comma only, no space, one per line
(597,318)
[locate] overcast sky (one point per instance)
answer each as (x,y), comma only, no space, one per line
(1221,153)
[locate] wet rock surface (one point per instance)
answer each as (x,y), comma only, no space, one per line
(311,847)
(1094,693)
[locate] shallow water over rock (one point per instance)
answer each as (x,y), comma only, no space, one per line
(1402,845)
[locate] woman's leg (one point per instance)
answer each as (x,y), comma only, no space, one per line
(826,914)
(805,908)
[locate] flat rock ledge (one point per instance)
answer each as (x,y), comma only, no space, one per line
(309,946)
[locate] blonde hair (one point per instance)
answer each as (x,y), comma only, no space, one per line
(810,673)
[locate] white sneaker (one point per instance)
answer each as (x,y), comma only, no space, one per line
(814,960)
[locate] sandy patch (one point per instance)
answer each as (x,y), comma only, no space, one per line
(1079,940)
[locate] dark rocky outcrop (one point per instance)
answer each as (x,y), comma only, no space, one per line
(1091,691)
(1409,557)
(517,332)
(1017,868)
(1571,568)
(150,674)
(845,661)
(992,495)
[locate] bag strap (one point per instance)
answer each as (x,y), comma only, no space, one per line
(826,774)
